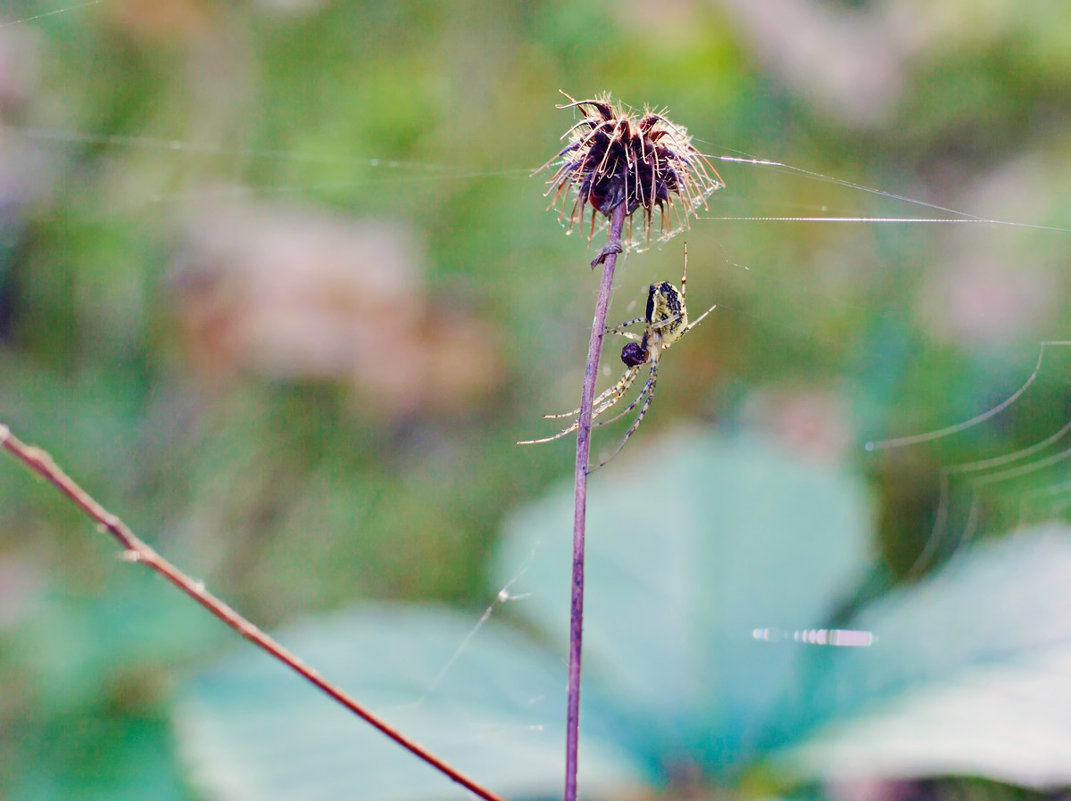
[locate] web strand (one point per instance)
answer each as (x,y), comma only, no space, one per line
(461,172)
(978,484)
(963,216)
(53,13)
(929,220)
(917,439)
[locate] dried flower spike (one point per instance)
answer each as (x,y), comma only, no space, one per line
(614,158)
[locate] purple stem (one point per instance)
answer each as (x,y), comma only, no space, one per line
(583,446)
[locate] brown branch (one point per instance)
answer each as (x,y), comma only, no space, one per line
(137,551)
(608,258)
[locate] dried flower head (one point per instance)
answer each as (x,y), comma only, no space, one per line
(645,162)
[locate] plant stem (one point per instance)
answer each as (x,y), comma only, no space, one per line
(137,551)
(583,447)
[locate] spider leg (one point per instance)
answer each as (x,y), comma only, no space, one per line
(616,392)
(626,410)
(559,435)
(684,295)
(647,393)
(617,328)
(606,399)
(594,405)
(606,405)
(699,319)
(684,279)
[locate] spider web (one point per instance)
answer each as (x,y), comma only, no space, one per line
(1000,492)
(1029,482)
(978,479)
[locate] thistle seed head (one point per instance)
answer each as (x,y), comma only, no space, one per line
(645,162)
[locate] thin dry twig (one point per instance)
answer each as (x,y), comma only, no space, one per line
(137,551)
(583,448)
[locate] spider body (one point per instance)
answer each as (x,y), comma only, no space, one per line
(634,354)
(665,321)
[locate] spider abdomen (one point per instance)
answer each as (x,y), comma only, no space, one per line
(667,316)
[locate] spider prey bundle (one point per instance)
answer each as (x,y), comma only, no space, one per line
(664,322)
(614,158)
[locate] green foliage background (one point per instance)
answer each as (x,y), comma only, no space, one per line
(290,494)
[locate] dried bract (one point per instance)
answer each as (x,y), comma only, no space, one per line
(646,162)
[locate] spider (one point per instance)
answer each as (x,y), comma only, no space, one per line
(665,322)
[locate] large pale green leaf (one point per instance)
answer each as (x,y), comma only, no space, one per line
(692,546)
(970,674)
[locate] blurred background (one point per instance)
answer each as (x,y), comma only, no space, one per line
(277,287)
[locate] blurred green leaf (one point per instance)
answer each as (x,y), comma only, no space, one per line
(492,706)
(77,650)
(968,675)
(98,756)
